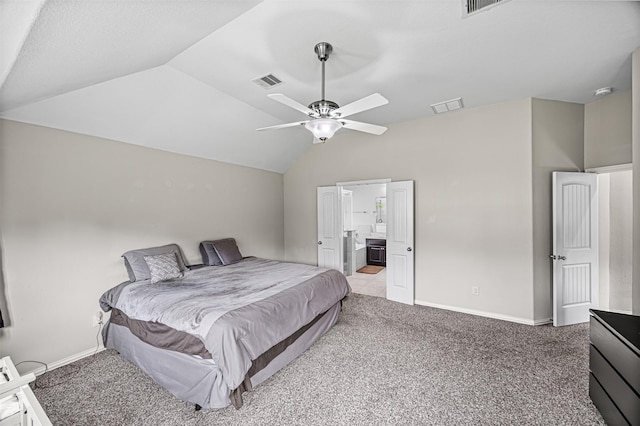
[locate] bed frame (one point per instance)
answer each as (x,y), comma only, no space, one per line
(199,381)
(16,396)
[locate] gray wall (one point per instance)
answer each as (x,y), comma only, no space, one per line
(473,201)
(72,204)
(607,131)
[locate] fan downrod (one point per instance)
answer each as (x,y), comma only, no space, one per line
(323,107)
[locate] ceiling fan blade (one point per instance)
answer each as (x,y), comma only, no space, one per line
(369,102)
(293,104)
(363,127)
(282,126)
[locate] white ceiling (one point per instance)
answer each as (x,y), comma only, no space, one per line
(177,74)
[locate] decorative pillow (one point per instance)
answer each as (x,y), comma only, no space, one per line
(163,267)
(138,269)
(227,250)
(209,255)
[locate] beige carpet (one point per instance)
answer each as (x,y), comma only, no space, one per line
(370,269)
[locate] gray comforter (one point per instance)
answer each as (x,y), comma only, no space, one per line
(239,311)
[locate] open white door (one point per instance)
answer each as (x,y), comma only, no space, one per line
(400,286)
(575,247)
(329,227)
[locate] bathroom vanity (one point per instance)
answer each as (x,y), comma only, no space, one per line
(376,251)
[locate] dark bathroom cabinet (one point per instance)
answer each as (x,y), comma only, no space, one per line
(376,252)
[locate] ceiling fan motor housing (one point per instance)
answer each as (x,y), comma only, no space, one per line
(323,108)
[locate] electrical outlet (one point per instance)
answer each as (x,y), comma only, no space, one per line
(96,319)
(475,291)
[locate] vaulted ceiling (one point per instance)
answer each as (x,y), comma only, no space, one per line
(177,75)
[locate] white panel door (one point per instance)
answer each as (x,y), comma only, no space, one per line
(400,259)
(575,247)
(329,227)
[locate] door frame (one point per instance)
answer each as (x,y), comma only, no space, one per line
(341,185)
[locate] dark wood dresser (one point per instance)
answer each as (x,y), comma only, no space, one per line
(614,366)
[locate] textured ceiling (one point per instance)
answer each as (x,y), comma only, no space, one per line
(177,74)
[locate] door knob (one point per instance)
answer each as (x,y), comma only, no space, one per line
(555,257)
(408,248)
(319,243)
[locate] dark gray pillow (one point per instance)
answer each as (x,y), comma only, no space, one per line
(138,269)
(227,251)
(209,255)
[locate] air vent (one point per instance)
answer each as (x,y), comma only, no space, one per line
(473,6)
(446,106)
(268,81)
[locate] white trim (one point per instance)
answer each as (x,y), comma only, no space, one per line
(486,314)
(619,311)
(611,169)
(363,182)
(65,361)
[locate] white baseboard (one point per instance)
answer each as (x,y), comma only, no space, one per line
(493,315)
(65,361)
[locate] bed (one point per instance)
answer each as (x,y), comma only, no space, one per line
(211,332)
(18,404)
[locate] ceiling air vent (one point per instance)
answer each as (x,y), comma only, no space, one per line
(446,106)
(473,6)
(268,81)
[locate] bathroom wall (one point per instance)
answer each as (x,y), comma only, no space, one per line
(364,205)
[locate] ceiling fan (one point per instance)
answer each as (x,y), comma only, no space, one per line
(327,117)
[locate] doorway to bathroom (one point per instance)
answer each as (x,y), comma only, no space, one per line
(364,209)
(365,230)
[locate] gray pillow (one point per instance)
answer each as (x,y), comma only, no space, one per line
(227,250)
(163,267)
(209,255)
(138,269)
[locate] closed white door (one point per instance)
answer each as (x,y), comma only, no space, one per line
(329,228)
(400,258)
(575,247)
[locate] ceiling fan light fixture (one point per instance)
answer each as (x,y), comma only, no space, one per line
(323,128)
